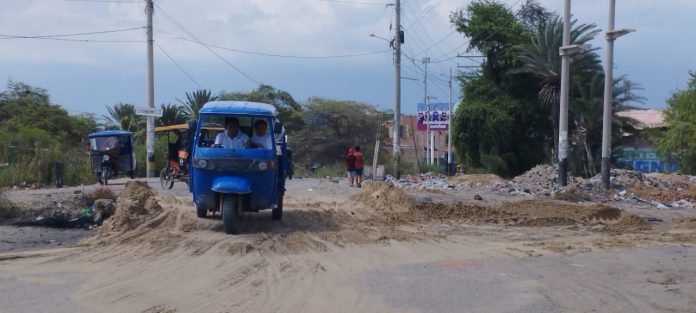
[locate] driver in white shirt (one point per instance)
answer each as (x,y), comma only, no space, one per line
(232,137)
(261,139)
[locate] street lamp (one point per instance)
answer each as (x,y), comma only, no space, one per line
(611,35)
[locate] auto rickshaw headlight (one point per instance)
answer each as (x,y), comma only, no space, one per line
(263,166)
(105,157)
(202,163)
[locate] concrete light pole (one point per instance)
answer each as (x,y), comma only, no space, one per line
(449,126)
(611,36)
(397,89)
(426,100)
(565,80)
(150,131)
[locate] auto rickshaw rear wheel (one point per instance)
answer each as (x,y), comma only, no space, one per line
(231,213)
(201,212)
(131,174)
(277,213)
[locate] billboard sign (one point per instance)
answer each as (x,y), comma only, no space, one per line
(435,114)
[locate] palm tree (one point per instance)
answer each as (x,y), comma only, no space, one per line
(122,116)
(171,115)
(195,101)
(541,60)
(587,114)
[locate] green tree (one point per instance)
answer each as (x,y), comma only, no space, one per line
(333,125)
(492,30)
(499,127)
(540,58)
(679,141)
(586,115)
(195,101)
(171,115)
(34,134)
(122,116)
(533,15)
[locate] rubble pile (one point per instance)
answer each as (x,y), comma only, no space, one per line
(427,181)
(543,179)
(664,191)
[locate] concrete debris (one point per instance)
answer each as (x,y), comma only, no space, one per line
(674,191)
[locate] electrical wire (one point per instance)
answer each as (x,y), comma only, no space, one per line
(70,35)
(179,66)
(357,2)
(79,40)
(108,1)
(281,55)
(182,28)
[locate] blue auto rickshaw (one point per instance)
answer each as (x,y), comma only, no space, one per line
(111,153)
(240,176)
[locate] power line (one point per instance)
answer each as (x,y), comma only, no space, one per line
(280,55)
(182,28)
(425,13)
(108,1)
(179,66)
(356,2)
(71,34)
(78,40)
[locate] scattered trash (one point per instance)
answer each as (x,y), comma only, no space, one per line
(661,206)
(478,197)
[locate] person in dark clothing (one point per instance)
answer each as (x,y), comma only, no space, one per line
(350,166)
(359,160)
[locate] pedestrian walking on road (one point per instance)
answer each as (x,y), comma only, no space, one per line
(359,160)
(350,165)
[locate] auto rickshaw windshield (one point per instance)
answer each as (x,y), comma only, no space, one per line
(236,132)
(105,143)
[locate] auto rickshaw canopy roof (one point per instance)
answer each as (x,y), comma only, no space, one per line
(110,133)
(238,107)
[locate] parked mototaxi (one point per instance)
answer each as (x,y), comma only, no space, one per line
(111,154)
(244,177)
(179,145)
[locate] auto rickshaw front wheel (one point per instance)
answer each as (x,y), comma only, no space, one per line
(231,208)
(166,179)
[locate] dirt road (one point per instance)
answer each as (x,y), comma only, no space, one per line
(340,249)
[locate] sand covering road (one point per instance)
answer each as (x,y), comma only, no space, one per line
(155,255)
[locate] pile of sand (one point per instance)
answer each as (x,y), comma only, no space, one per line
(687,223)
(134,206)
(393,207)
(476,180)
(384,197)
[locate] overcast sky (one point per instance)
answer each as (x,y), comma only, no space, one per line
(86,76)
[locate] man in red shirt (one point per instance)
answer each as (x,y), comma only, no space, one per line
(359,160)
(350,165)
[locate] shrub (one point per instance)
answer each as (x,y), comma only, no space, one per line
(7,209)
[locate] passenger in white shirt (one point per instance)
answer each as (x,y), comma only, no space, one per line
(262,139)
(232,137)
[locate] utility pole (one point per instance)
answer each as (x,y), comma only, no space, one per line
(150,136)
(611,36)
(426,100)
(376,154)
(397,89)
(563,119)
(449,125)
